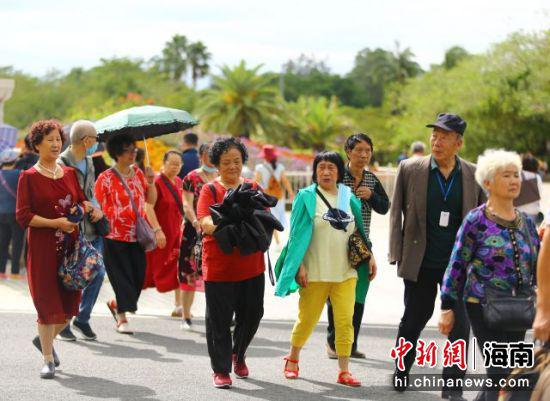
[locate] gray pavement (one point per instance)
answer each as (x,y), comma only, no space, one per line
(162,362)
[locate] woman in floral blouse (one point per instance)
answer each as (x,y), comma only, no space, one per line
(496,247)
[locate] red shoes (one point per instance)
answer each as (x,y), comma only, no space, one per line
(222,380)
(349,380)
(289,373)
(239,368)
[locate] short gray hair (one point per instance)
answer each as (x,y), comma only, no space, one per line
(81,129)
(417,147)
(493,160)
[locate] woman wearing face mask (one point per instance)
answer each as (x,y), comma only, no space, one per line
(47,195)
(315,261)
(496,248)
(192,186)
(166,216)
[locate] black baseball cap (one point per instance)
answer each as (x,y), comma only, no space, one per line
(449,122)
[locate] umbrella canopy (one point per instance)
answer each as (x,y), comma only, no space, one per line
(8,136)
(144,122)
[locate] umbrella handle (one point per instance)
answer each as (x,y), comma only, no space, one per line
(147,160)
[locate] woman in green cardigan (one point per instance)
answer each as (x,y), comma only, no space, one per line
(315,262)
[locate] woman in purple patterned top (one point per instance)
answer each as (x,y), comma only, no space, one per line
(497,247)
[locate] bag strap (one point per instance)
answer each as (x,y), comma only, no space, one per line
(213,190)
(173,192)
(324,199)
(6,186)
(532,259)
(123,181)
(270,269)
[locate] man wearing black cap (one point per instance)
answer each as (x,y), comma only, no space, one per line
(432,195)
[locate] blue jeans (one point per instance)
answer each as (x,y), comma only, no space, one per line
(90,293)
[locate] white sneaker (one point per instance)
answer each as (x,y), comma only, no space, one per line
(187,325)
(124,328)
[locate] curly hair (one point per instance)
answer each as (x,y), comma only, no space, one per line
(42,128)
(117,143)
(222,146)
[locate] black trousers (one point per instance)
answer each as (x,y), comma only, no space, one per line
(419,307)
(357,319)
(125,266)
(10,232)
(485,334)
(245,299)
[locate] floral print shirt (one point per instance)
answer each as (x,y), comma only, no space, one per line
(116,205)
(484,255)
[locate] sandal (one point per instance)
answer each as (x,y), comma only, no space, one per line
(112,308)
(291,374)
(349,380)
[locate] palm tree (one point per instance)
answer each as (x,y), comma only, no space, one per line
(404,64)
(174,59)
(198,58)
(318,121)
(241,102)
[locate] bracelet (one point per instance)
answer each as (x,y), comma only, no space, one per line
(156,230)
(195,222)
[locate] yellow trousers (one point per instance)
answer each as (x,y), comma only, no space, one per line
(312,302)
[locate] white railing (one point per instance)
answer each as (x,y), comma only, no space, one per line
(301,179)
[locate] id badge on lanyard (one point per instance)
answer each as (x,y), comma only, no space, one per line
(444,216)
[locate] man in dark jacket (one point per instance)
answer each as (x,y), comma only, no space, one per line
(79,156)
(431,197)
(190,154)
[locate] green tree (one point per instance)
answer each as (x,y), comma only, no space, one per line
(317,122)
(241,102)
(198,58)
(453,56)
(504,95)
(174,58)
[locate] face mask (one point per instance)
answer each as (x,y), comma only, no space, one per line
(91,150)
(209,169)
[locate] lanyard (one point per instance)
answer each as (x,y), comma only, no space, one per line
(444,192)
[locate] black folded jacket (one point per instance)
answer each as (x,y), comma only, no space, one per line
(243,221)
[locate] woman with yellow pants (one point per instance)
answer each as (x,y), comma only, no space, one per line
(315,261)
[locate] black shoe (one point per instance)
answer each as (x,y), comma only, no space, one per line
(400,381)
(452,395)
(36,343)
(85,330)
(48,371)
(66,334)
(358,355)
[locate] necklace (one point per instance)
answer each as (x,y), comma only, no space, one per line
(52,172)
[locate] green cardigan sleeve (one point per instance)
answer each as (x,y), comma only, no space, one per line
(301,230)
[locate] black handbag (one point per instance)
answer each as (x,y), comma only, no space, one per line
(512,310)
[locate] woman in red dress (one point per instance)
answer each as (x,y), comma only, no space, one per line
(166,217)
(46,194)
(192,186)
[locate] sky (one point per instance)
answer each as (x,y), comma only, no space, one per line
(37,36)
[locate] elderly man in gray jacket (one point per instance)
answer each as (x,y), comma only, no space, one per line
(78,155)
(432,196)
